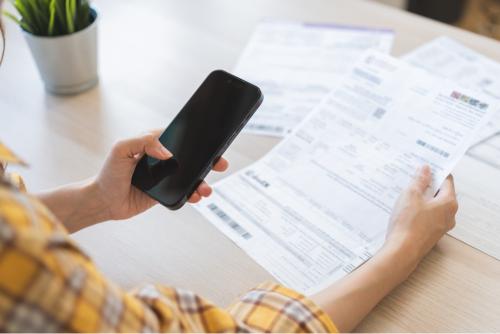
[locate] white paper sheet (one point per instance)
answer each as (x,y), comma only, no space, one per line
(478,219)
(446,57)
(317,206)
(297,64)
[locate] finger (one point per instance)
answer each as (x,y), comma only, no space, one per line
(156,150)
(204,189)
(157,132)
(422,180)
(131,147)
(451,223)
(447,199)
(148,143)
(154,147)
(194,198)
(447,191)
(220,165)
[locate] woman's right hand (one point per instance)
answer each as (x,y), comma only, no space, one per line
(416,225)
(417,222)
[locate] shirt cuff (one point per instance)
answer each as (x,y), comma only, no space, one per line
(271,307)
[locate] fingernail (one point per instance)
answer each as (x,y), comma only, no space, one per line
(425,169)
(166,153)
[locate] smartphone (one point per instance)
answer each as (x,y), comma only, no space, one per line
(197,138)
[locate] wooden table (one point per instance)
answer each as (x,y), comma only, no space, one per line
(153,55)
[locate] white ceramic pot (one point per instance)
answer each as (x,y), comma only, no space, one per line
(68,63)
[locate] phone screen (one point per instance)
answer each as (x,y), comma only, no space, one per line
(197,137)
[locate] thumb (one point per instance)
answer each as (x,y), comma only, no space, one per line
(422,180)
(447,190)
(146,144)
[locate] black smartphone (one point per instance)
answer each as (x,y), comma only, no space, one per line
(197,137)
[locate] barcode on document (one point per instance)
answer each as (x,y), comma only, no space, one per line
(433,148)
(229,221)
(264,127)
(379,113)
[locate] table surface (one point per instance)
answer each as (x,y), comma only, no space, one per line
(152,56)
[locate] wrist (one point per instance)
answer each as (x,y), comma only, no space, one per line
(91,207)
(78,205)
(400,257)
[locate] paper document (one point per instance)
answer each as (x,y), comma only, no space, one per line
(297,64)
(478,221)
(450,59)
(317,206)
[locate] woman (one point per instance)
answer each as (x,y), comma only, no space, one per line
(48,284)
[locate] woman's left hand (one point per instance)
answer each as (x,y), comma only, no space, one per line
(121,198)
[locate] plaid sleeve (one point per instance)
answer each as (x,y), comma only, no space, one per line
(48,284)
(271,307)
(7,156)
(267,308)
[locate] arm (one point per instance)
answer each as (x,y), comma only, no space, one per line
(77,205)
(48,285)
(416,226)
(110,196)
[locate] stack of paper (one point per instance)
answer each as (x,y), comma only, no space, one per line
(447,58)
(297,64)
(317,206)
(479,217)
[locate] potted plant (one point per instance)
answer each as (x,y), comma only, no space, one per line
(62,36)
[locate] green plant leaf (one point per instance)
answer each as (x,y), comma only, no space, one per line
(44,7)
(39,16)
(52,19)
(61,17)
(18,21)
(83,15)
(26,15)
(69,16)
(73,12)
(26,27)
(11,16)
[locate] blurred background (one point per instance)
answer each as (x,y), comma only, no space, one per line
(479,16)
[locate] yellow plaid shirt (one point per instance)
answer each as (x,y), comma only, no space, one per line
(48,284)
